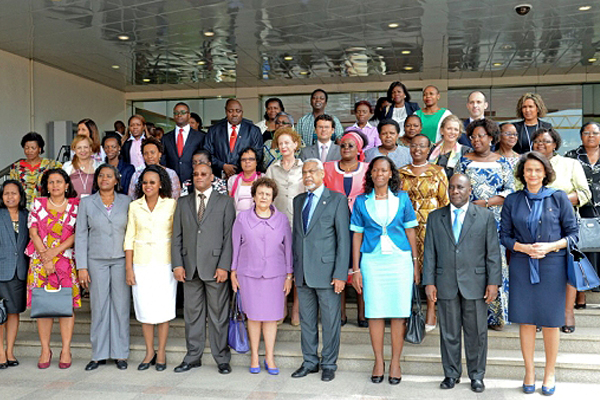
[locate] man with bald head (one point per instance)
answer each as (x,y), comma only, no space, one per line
(462,272)
(476,105)
(229,137)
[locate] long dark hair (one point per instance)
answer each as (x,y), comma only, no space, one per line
(70,193)
(22,201)
(393,184)
(166,190)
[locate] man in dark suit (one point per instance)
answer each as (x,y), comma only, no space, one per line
(181,143)
(321,246)
(227,138)
(462,271)
(201,252)
(325,149)
(476,104)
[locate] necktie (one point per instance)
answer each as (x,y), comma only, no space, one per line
(232,139)
(201,206)
(457,225)
(323,153)
(306,210)
(180,142)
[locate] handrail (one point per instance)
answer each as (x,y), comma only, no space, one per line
(4,172)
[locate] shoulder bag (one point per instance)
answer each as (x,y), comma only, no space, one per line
(415,325)
(237,335)
(580,272)
(589,232)
(52,303)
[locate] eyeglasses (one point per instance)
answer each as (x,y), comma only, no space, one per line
(347,146)
(419,146)
(588,133)
(177,113)
(543,142)
(248,159)
(509,134)
(283,123)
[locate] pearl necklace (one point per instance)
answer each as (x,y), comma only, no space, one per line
(56,205)
(420,165)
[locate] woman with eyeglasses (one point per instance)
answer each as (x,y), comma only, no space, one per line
(588,155)
(571,179)
(271,152)
(239,185)
(427,188)
(507,142)
(492,179)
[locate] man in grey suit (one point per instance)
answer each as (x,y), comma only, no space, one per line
(325,149)
(462,271)
(201,254)
(321,245)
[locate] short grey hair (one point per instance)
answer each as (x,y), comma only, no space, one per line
(284,114)
(316,161)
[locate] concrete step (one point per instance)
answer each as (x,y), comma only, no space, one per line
(416,359)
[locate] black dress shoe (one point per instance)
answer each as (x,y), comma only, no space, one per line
(144,366)
(303,371)
(344,321)
(477,385)
(92,365)
(224,368)
(393,380)
(363,323)
(12,363)
(377,378)
(448,383)
(328,375)
(161,366)
(4,365)
(581,306)
(183,367)
(121,364)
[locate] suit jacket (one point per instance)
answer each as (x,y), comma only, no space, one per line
(217,143)
(12,250)
(464,139)
(322,253)
(314,151)
(170,159)
(467,266)
(126,171)
(524,142)
(409,106)
(100,236)
(205,245)
(125,150)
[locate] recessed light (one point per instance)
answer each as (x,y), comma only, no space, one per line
(592,60)
(497,64)
(209,33)
(303,72)
(378,48)
(288,58)
(123,37)
(405,51)
(585,8)
(393,25)
(146,80)
(506,47)
(115,67)
(408,68)
(201,62)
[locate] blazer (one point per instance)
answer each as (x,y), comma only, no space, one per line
(464,139)
(100,236)
(125,150)
(126,170)
(322,253)
(314,151)
(206,245)
(468,266)
(13,260)
(557,221)
(217,143)
(170,159)
(524,141)
(409,106)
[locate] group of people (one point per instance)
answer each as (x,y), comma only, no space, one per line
(478,214)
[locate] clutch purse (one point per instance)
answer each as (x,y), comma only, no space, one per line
(237,336)
(580,272)
(3,312)
(52,303)
(415,325)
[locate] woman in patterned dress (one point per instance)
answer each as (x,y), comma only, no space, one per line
(29,170)
(427,188)
(492,179)
(52,232)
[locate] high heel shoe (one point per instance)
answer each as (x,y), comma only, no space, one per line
(378,378)
(144,366)
(161,366)
(548,391)
(63,365)
(46,364)
(255,370)
(528,389)
(271,371)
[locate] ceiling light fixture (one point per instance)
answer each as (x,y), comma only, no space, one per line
(201,62)
(585,8)
(393,25)
(123,37)
(303,72)
(408,68)
(497,64)
(506,47)
(209,33)
(115,67)
(146,80)
(592,60)
(288,58)
(405,51)
(378,48)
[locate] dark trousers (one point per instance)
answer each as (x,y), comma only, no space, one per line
(311,300)
(469,316)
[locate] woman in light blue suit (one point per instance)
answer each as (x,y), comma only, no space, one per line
(14,237)
(99,238)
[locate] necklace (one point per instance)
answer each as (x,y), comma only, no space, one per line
(419,165)
(56,205)
(380,197)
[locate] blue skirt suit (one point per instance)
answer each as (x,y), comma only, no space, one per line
(543,303)
(387,275)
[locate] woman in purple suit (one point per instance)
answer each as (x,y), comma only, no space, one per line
(262,269)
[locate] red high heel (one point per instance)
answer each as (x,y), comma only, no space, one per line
(46,364)
(63,365)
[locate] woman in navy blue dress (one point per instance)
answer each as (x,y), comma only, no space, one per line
(535,226)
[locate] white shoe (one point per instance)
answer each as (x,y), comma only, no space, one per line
(429,328)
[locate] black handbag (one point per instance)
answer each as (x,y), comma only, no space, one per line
(589,233)
(415,326)
(3,313)
(52,303)
(580,272)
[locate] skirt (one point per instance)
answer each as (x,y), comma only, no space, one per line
(262,298)
(14,292)
(154,293)
(387,283)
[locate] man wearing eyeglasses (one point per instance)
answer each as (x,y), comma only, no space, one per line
(476,104)
(181,143)
(324,149)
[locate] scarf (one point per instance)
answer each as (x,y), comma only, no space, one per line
(453,158)
(239,176)
(358,141)
(535,202)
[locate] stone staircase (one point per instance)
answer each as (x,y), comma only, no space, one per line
(578,359)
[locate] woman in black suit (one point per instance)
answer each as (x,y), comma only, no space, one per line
(14,237)
(530,108)
(536,225)
(400,105)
